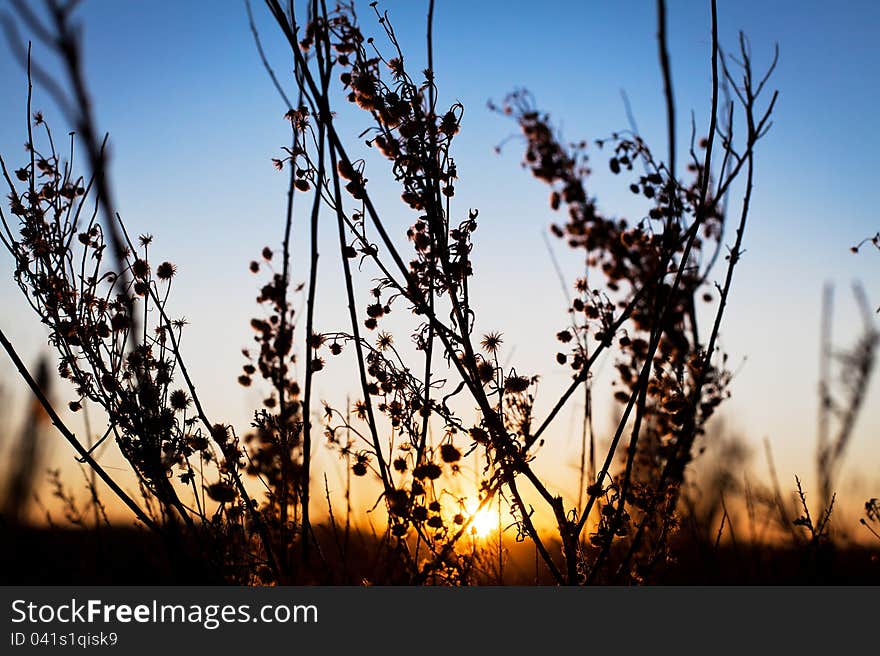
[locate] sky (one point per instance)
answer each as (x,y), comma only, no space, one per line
(195,121)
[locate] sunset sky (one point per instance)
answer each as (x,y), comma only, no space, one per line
(194,122)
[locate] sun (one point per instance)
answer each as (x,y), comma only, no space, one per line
(484,522)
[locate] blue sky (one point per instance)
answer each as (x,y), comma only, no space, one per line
(194,122)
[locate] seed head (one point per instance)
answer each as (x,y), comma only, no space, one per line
(166,271)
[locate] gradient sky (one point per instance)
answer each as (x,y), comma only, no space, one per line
(194,121)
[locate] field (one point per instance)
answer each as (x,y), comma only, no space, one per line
(415,412)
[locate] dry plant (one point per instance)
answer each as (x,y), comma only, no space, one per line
(654,274)
(871,520)
(27,453)
(841,396)
(434,392)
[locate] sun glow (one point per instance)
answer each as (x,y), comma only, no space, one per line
(483,521)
